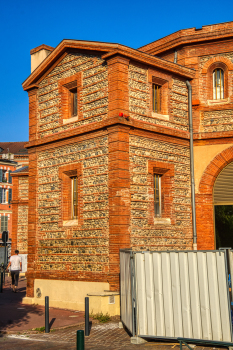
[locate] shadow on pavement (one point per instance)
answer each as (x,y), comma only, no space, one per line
(51,322)
(13,313)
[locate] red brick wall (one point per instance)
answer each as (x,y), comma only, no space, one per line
(115,155)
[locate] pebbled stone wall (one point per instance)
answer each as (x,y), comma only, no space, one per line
(93,97)
(83,247)
(157,236)
(140,100)
(23,187)
(22,229)
(214,121)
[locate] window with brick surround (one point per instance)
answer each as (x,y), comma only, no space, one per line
(159,96)
(161,192)
(70,89)
(70,176)
(218,84)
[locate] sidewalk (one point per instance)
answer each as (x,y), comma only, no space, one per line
(17,319)
(15,316)
(102,336)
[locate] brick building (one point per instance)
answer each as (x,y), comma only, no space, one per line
(109,154)
(12,155)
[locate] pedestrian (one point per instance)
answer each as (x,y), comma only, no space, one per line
(16,266)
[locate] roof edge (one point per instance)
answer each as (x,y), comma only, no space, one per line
(191,35)
(107,49)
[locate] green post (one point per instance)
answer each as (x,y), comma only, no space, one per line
(80,340)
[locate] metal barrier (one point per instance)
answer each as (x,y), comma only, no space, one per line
(175,294)
(126,276)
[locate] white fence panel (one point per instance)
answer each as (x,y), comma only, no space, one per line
(126,290)
(150,299)
(195,296)
(224,305)
(158,293)
(176,294)
(141,293)
(182,294)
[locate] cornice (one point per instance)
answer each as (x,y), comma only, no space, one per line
(190,36)
(41,47)
(153,61)
(212,135)
(58,51)
(95,127)
(108,49)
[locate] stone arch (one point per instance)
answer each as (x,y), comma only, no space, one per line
(204,199)
(217,59)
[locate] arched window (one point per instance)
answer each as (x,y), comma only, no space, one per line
(218,84)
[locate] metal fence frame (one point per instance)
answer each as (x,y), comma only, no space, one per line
(228,258)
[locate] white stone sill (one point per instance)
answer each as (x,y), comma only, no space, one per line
(70,120)
(70,222)
(218,102)
(160,116)
(103,294)
(162,221)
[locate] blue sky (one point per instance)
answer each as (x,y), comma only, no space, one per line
(27,24)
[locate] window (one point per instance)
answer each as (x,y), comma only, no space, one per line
(73,102)
(9,195)
(4,178)
(74,197)
(71,195)
(161,190)
(157,195)
(70,91)
(3,175)
(218,84)
(9,177)
(2,195)
(4,223)
(156,98)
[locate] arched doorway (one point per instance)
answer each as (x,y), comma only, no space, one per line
(223,207)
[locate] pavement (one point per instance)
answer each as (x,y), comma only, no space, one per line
(16,316)
(102,336)
(17,321)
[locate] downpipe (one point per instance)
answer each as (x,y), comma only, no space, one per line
(175,56)
(192,164)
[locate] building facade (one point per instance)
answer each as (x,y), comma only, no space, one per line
(109,155)
(12,156)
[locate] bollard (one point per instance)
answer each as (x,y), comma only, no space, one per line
(46,314)
(1,282)
(80,340)
(86,316)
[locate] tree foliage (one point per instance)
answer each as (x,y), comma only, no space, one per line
(224,226)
